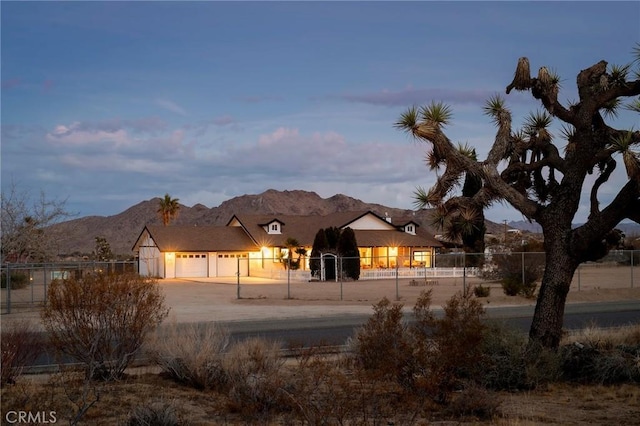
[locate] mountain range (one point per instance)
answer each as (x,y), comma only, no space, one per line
(78,236)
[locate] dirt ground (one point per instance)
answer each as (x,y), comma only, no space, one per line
(226,299)
(194,300)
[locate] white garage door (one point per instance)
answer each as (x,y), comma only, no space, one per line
(228,264)
(191,265)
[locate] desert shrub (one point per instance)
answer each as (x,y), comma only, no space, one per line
(382,346)
(518,278)
(18,280)
(21,345)
(502,365)
(481,291)
(157,413)
(509,361)
(101,320)
(191,354)
(457,337)
(589,364)
(323,389)
(256,379)
(605,338)
(474,401)
(602,355)
(430,356)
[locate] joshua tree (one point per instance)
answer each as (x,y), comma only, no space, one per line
(168,209)
(527,169)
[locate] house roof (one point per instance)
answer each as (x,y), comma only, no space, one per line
(247,233)
(304,229)
(200,238)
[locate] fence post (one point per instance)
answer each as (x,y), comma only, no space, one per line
(464,272)
(632,254)
(397,291)
(341,281)
(238,277)
(522,268)
(45,284)
(579,277)
(8,288)
(289,277)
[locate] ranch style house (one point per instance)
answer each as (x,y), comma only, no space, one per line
(255,245)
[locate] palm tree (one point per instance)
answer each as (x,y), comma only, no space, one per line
(168,209)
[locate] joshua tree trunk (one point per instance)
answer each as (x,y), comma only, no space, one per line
(540,181)
(546,327)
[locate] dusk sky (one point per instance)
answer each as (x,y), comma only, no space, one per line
(106,104)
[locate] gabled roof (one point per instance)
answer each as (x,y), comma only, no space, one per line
(304,229)
(199,238)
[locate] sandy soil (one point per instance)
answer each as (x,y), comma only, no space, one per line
(254,299)
(223,299)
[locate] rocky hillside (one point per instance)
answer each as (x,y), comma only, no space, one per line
(77,237)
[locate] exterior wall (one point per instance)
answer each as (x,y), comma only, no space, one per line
(150,260)
(369,222)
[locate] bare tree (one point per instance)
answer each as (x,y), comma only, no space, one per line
(26,235)
(527,169)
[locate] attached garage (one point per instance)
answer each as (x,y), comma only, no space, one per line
(192,265)
(194,251)
(228,264)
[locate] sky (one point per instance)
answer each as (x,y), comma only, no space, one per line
(107,104)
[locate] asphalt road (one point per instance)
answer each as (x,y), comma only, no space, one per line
(338,329)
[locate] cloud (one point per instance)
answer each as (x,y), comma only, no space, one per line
(11,83)
(259,99)
(47,85)
(413,96)
(76,134)
(286,153)
(223,120)
(171,106)
(146,138)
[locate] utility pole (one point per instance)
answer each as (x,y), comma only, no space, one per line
(505,231)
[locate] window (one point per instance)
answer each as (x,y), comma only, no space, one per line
(422,258)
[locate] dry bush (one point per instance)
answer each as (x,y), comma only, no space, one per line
(474,401)
(481,291)
(430,356)
(256,379)
(509,361)
(156,413)
(382,346)
(322,389)
(101,320)
(605,338)
(191,354)
(510,269)
(603,356)
(453,344)
(21,344)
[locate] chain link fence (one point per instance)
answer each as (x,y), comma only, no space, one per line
(24,285)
